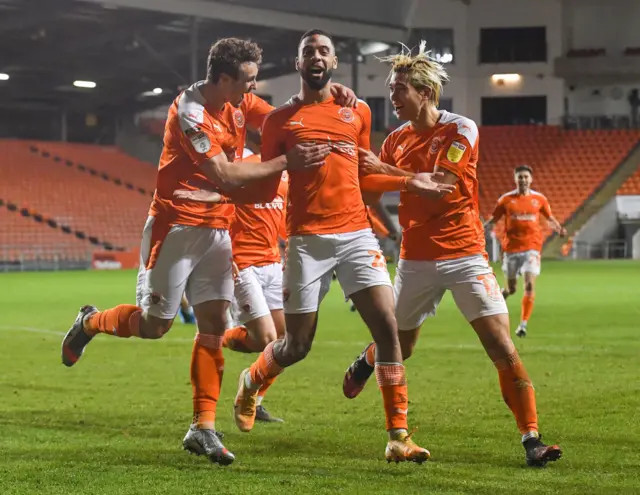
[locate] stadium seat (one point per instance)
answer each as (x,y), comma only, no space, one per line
(84,202)
(568,165)
(631,187)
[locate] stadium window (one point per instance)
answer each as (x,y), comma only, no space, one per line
(378,113)
(508,45)
(439,42)
(446,104)
(515,110)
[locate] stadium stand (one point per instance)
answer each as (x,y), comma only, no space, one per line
(92,203)
(632,185)
(23,238)
(568,165)
(103,194)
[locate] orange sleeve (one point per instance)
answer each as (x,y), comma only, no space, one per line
(256,111)
(499,211)
(386,154)
(455,156)
(364,138)
(545,209)
(272,140)
(380,183)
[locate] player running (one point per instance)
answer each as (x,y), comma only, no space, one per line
(328,230)
(443,239)
(186,247)
(256,308)
(521,209)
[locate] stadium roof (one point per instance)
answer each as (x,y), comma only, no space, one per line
(130,47)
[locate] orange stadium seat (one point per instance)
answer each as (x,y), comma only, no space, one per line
(568,165)
(84,202)
(24,239)
(632,185)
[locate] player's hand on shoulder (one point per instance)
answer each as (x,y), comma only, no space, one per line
(428,185)
(343,96)
(305,155)
(201,195)
(368,162)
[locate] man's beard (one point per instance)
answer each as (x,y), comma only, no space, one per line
(317,84)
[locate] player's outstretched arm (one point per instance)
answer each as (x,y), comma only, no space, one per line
(369,163)
(229,175)
(557,226)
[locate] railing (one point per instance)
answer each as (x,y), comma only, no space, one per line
(600,122)
(43,258)
(612,249)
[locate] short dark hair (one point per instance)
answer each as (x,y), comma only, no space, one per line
(523,168)
(314,32)
(226,56)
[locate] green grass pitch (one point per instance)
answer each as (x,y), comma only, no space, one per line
(113,424)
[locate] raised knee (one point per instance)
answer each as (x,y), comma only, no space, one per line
(154,332)
(297,351)
(264,340)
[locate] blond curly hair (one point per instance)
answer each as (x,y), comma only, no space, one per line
(423,71)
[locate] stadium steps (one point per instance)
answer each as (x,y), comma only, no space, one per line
(28,235)
(72,156)
(631,187)
(97,208)
(607,189)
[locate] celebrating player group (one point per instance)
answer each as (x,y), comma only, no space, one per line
(217,218)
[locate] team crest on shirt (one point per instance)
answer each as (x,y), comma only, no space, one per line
(346,115)
(436,144)
(238,118)
(535,203)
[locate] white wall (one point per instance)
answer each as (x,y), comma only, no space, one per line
(470,81)
(611,100)
(610,24)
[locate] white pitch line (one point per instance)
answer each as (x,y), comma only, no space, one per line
(424,344)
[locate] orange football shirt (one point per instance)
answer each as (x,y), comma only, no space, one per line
(257,227)
(449,227)
(326,199)
(194,133)
(521,212)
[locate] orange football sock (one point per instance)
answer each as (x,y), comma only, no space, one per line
(370,356)
(237,339)
(393,385)
(518,392)
(121,321)
(265,367)
(527,305)
(207,368)
(265,386)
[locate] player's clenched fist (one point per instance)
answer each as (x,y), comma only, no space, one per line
(369,162)
(304,155)
(428,185)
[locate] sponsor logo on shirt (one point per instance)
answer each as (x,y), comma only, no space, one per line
(524,218)
(456,151)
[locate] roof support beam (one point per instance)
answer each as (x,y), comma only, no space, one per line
(263,17)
